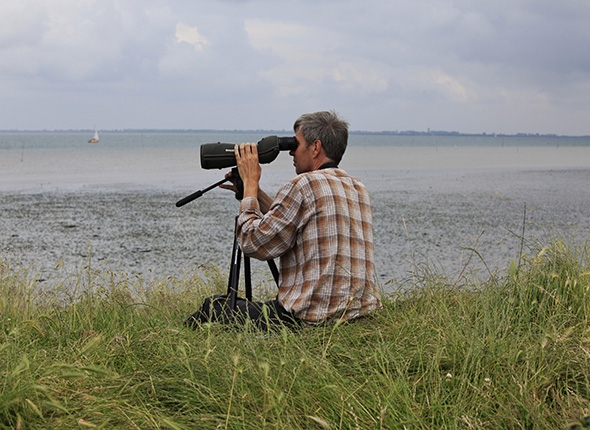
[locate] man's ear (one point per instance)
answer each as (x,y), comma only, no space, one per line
(317,147)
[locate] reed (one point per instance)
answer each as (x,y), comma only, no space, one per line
(107,350)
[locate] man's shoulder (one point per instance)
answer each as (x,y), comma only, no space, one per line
(305,178)
(335,174)
(324,179)
(303,183)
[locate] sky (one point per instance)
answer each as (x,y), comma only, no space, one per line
(471,66)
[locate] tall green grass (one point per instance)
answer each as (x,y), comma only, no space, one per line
(108,350)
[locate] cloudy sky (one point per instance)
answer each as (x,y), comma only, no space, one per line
(501,66)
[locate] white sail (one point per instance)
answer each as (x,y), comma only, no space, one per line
(95,137)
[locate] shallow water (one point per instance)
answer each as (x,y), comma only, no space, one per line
(115,205)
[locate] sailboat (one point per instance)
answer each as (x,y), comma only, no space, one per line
(95,137)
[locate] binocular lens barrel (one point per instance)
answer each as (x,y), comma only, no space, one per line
(221,155)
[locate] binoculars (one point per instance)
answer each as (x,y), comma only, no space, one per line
(221,155)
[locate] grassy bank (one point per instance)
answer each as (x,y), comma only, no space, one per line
(107,350)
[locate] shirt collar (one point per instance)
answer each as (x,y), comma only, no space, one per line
(328,165)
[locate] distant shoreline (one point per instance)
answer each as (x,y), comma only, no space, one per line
(353,132)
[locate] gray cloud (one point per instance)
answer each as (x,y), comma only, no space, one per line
(502,66)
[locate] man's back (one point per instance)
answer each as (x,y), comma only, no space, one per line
(320,224)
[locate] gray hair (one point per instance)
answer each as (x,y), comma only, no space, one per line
(327,128)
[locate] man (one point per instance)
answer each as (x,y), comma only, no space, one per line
(319,224)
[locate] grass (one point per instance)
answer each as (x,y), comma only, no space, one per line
(107,350)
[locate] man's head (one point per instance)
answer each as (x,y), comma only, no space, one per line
(326,127)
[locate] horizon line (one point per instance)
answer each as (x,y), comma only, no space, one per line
(356,132)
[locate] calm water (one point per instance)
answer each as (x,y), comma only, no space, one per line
(62,199)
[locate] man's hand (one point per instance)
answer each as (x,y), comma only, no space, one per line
(249,167)
(234,186)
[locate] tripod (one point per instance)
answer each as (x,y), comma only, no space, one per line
(236,258)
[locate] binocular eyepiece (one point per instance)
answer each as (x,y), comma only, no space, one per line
(221,155)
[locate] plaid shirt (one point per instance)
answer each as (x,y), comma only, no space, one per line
(321,226)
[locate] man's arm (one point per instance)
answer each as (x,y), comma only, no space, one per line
(249,168)
(264,201)
(271,235)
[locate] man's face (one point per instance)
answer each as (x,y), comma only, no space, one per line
(302,156)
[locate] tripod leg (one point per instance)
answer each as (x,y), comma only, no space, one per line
(248,276)
(273,269)
(232,288)
(234,274)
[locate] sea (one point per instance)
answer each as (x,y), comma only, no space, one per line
(455,204)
